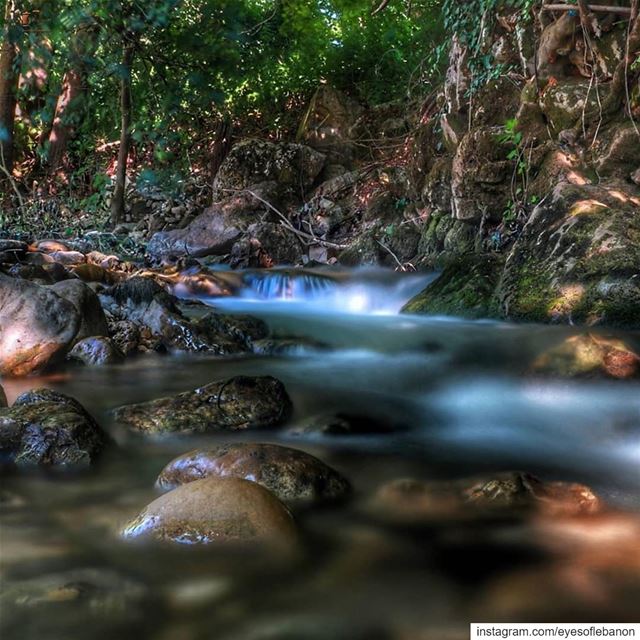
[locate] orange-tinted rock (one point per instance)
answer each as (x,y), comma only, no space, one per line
(36,326)
(589,356)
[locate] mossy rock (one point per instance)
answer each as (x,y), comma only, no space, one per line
(578,259)
(465,288)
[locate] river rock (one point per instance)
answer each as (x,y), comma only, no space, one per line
(508,493)
(290,474)
(92,319)
(227,405)
(36,326)
(215,510)
(47,428)
(68,257)
(587,356)
(96,351)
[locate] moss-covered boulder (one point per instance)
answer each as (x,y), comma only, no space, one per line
(578,258)
(237,403)
(465,288)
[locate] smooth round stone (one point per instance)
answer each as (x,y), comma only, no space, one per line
(290,474)
(215,510)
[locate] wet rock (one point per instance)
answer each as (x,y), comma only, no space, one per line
(125,336)
(587,356)
(516,491)
(34,273)
(96,351)
(242,329)
(237,403)
(47,428)
(287,346)
(36,326)
(503,494)
(290,474)
(215,510)
(92,319)
(91,273)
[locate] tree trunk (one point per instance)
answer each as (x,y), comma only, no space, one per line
(117,202)
(74,88)
(8,88)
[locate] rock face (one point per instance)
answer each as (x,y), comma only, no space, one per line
(578,258)
(47,428)
(290,474)
(237,403)
(37,326)
(215,510)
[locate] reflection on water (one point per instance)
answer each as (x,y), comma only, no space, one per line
(459,400)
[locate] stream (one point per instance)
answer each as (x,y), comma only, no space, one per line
(449,399)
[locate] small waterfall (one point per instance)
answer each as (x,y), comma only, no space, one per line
(287,285)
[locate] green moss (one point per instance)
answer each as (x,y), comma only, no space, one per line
(466,288)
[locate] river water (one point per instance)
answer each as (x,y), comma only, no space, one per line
(450,399)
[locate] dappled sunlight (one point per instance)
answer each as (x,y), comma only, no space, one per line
(585,207)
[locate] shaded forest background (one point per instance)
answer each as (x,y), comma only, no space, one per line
(91,87)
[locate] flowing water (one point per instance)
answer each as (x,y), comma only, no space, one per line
(452,398)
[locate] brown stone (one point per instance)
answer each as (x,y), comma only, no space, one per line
(215,510)
(290,474)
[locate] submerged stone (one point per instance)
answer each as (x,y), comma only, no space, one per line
(503,494)
(236,403)
(215,510)
(47,428)
(290,474)
(589,356)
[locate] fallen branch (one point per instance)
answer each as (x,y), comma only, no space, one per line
(625,11)
(306,238)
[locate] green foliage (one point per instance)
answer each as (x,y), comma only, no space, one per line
(471,22)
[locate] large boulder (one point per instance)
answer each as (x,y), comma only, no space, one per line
(37,326)
(578,258)
(293,167)
(215,510)
(290,474)
(46,428)
(92,319)
(227,405)
(218,228)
